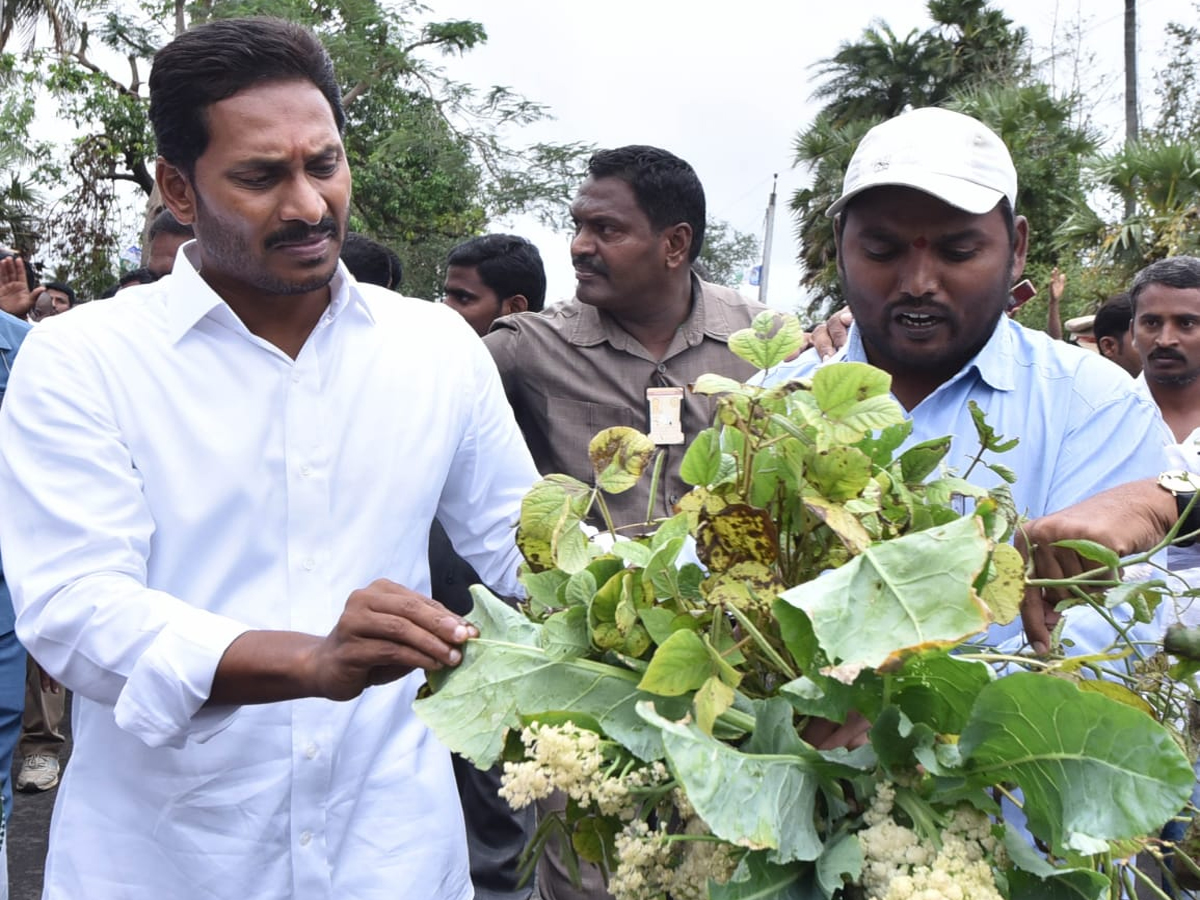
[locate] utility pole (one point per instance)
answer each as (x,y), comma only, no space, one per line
(769,232)
(1131,89)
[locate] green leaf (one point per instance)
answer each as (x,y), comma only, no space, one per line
(658,622)
(770,339)
(920,461)
(543,588)
(506,677)
(939,689)
(716,384)
(661,569)
(681,664)
(565,634)
(553,507)
(758,802)
(1093,552)
(619,455)
(897,740)
(1034,878)
(757,878)
(912,593)
(581,587)
(841,862)
(702,461)
(839,473)
(1091,769)
(632,552)
(855,400)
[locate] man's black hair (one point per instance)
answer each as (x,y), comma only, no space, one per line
(507,264)
(65,288)
(666,188)
(214,61)
(166,223)
(371,262)
(1113,318)
(1174,272)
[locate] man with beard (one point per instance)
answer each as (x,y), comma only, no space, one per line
(641,328)
(1165,301)
(217,494)
(928,247)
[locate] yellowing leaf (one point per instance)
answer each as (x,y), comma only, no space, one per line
(771,338)
(713,698)
(619,455)
(841,522)
(1003,593)
(737,533)
(553,507)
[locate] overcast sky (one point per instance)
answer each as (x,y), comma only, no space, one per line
(726,86)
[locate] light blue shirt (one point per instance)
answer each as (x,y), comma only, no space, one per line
(1082,425)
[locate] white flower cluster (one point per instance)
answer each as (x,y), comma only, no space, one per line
(898,866)
(652,866)
(571,759)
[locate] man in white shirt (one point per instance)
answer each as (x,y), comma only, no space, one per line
(218,490)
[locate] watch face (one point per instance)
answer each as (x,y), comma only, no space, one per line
(1179,481)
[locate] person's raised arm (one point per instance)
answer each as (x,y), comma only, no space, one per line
(1128,519)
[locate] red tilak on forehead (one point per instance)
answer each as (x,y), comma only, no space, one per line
(921,243)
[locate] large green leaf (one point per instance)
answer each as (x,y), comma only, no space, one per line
(1091,768)
(506,677)
(679,666)
(912,592)
(759,802)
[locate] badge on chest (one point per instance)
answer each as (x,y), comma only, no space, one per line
(666,414)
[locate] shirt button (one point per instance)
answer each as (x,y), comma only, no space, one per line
(662,367)
(306,470)
(309,563)
(295,378)
(311,751)
(673,499)
(305,838)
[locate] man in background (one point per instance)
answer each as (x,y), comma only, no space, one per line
(163,240)
(640,329)
(492,276)
(1110,326)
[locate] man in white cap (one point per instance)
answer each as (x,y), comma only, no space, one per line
(929,246)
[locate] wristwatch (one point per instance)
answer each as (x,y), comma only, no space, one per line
(1183,486)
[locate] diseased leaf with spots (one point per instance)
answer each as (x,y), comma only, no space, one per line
(619,455)
(737,533)
(1006,587)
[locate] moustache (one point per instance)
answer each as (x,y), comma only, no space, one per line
(918,305)
(298,232)
(1166,354)
(589,264)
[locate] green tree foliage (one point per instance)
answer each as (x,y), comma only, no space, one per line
(971,59)
(433,159)
(727,252)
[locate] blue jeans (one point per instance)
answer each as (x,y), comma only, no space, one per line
(12,704)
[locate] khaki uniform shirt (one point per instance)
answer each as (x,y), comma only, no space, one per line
(572,371)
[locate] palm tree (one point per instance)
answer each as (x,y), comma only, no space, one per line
(21,17)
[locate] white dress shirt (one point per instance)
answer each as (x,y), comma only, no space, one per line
(168,480)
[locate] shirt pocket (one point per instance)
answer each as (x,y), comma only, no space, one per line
(571,425)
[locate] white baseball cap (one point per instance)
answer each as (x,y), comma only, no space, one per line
(953,157)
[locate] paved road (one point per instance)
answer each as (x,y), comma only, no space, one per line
(28,828)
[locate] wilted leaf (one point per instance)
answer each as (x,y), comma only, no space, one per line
(841,522)
(1092,551)
(1090,768)
(759,802)
(737,533)
(619,455)
(913,592)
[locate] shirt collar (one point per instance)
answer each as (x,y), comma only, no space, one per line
(993,363)
(593,326)
(190,299)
